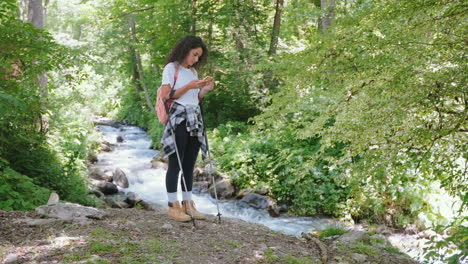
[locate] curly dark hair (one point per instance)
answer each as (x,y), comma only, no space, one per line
(183,47)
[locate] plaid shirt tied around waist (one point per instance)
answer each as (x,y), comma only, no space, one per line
(177,114)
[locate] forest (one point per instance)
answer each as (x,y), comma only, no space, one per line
(355,109)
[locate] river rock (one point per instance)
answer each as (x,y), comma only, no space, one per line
(118,200)
(224,188)
(69,211)
(244,192)
(120,139)
(273,210)
(108,188)
(201,186)
(151,206)
(120,178)
(106,146)
(132,199)
(359,258)
(258,201)
(210,169)
(384,230)
(353,237)
(96,193)
(199,175)
(92,158)
(113,203)
(53,199)
(261,191)
(100,174)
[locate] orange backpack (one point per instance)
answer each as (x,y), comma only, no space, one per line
(161,109)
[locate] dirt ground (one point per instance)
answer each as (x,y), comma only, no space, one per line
(139,236)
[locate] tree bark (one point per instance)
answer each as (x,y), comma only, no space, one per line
(193,14)
(140,66)
(36,17)
(23,10)
(135,73)
(276,27)
(36,13)
(328,7)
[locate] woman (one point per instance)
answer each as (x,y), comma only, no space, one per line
(185,58)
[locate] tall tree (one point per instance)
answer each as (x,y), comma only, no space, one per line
(276,27)
(193,14)
(328,8)
(36,13)
(36,17)
(139,65)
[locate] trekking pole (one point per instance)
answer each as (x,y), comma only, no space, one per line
(178,158)
(210,172)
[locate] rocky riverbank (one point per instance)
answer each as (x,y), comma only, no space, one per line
(57,233)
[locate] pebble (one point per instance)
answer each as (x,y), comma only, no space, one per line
(167,226)
(359,258)
(10,258)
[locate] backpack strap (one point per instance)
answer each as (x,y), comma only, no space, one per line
(176,75)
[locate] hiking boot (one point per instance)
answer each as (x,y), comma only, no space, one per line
(176,213)
(197,215)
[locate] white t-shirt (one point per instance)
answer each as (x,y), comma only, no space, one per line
(184,77)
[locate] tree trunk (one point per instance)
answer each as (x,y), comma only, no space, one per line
(23,10)
(140,66)
(193,15)
(276,27)
(36,13)
(135,73)
(36,17)
(328,7)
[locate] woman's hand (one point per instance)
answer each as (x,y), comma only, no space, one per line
(209,83)
(208,87)
(197,84)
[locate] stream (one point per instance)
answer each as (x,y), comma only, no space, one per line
(134,156)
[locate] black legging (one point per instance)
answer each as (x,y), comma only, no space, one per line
(188,150)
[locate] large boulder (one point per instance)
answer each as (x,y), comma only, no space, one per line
(199,174)
(244,192)
(132,199)
(92,158)
(107,188)
(258,201)
(224,188)
(100,174)
(201,187)
(106,146)
(120,178)
(69,211)
(352,237)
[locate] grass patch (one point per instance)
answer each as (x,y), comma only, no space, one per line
(127,248)
(376,240)
(100,247)
(362,248)
(154,245)
(100,232)
(271,258)
(235,244)
(332,231)
(393,250)
(72,257)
